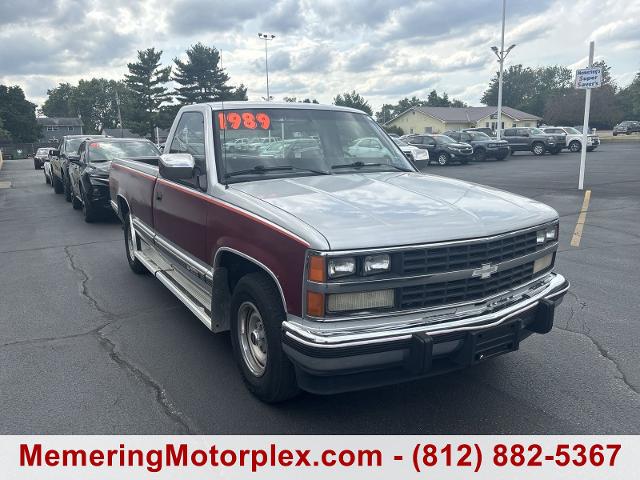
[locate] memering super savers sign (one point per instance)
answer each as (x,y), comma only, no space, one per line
(589,77)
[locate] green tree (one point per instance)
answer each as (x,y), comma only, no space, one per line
(354,100)
(527,89)
(59,101)
(393,129)
(628,99)
(18,115)
(146,81)
(201,78)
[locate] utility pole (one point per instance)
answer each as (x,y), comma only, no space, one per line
(119,115)
(585,125)
(502,54)
(266,37)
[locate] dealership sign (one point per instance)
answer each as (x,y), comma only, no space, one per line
(589,77)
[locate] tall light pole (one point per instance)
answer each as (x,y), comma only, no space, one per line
(266,37)
(501,54)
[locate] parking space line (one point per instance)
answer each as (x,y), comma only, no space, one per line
(577,233)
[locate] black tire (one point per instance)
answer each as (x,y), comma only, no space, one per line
(513,152)
(443,159)
(47,180)
(501,157)
(480,155)
(256,292)
(555,151)
(88,210)
(575,146)
(36,164)
(615,134)
(538,148)
(590,149)
(135,264)
(57,184)
(76,203)
(66,186)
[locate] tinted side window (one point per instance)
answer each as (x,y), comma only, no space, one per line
(465,137)
(455,135)
(522,131)
(510,132)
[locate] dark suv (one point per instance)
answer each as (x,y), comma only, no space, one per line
(67,150)
(626,128)
(442,149)
(531,139)
(483,145)
(89,171)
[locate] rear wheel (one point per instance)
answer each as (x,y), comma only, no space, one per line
(76,203)
(256,321)
(575,146)
(131,244)
(538,149)
(47,180)
(443,158)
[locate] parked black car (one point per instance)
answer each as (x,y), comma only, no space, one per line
(483,145)
(531,139)
(39,158)
(67,150)
(442,149)
(89,170)
(626,128)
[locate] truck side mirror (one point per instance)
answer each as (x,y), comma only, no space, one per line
(176,166)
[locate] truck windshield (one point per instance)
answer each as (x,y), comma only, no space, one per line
(256,144)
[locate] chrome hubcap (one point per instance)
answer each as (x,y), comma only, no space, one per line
(442,159)
(538,149)
(253,338)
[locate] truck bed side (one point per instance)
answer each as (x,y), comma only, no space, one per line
(131,184)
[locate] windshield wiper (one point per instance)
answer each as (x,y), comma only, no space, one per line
(261,169)
(360,164)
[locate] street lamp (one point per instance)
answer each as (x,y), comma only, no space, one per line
(501,54)
(266,37)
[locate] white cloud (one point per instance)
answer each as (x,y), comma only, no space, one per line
(386,49)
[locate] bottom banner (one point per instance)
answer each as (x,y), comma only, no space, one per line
(311,457)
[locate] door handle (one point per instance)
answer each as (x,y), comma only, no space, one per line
(158,195)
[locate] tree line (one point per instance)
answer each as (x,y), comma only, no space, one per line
(143,97)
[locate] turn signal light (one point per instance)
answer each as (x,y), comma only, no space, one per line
(315,304)
(317,270)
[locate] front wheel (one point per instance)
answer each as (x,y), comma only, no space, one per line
(575,146)
(66,185)
(36,164)
(256,321)
(443,158)
(47,180)
(538,149)
(502,156)
(480,155)
(88,210)
(57,184)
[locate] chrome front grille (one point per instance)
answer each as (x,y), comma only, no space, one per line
(464,290)
(471,255)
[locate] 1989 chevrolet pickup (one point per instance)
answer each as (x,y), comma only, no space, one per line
(334,268)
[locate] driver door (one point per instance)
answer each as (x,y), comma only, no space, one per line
(179,207)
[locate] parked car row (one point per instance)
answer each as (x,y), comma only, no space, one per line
(80,167)
(626,128)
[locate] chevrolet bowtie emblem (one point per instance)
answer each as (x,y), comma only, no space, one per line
(485,271)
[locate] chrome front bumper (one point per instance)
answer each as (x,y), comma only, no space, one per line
(331,358)
(434,322)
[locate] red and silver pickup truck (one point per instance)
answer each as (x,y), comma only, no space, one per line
(334,268)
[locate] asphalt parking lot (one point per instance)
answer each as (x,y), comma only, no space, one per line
(88,347)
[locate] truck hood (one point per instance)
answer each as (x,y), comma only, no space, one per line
(384,209)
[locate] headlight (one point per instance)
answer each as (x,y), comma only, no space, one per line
(421,154)
(341,267)
(548,235)
(376,264)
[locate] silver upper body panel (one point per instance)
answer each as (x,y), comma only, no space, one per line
(371,210)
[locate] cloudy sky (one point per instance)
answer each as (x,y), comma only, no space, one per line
(385,49)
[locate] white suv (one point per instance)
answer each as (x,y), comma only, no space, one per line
(574,138)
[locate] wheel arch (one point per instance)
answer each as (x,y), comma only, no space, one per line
(229,266)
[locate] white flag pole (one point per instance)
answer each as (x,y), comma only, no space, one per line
(585,126)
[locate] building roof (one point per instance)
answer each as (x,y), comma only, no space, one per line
(468,114)
(120,133)
(60,121)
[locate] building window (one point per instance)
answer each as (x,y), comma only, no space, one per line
(52,128)
(486,124)
(70,129)
(411,130)
(513,125)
